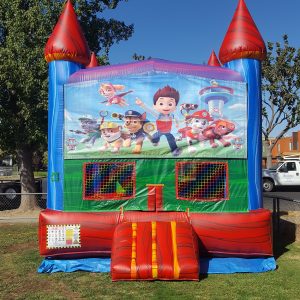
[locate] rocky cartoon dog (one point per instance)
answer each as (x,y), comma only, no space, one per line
(113,136)
(197,123)
(217,130)
(89,128)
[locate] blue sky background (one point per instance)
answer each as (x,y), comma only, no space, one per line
(189,30)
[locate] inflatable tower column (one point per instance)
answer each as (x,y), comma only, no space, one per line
(242,50)
(66,52)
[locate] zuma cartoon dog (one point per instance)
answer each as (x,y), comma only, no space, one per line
(217,130)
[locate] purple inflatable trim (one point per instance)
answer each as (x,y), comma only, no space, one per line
(158,65)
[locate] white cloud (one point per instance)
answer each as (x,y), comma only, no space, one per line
(237,106)
(68,116)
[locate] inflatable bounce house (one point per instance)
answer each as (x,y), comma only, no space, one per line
(155,166)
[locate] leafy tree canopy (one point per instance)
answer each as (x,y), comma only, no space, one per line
(281,97)
(25,26)
(281,83)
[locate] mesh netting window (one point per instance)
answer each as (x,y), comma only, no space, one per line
(109,181)
(206,181)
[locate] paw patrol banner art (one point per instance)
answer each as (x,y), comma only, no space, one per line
(155,115)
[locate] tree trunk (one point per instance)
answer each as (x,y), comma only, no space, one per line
(268,149)
(28,202)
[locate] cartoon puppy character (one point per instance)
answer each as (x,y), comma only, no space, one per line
(198,121)
(90,128)
(138,127)
(113,136)
(217,130)
(109,91)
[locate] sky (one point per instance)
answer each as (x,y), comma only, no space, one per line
(187,31)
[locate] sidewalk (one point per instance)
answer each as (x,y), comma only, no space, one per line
(15,216)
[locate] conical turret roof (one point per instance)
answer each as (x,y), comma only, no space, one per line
(213,60)
(93,62)
(67,41)
(242,40)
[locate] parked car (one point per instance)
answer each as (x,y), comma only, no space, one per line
(10,185)
(284,173)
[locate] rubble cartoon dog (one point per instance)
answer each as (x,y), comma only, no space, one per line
(113,136)
(139,128)
(90,128)
(198,122)
(217,130)
(109,91)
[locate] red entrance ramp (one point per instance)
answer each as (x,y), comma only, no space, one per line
(154,251)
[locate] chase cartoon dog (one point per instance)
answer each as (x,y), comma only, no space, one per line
(138,128)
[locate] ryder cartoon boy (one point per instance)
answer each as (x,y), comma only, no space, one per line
(165,101)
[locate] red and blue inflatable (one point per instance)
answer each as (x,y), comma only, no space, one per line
(155,166)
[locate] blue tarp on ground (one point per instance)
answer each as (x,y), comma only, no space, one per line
(207,265)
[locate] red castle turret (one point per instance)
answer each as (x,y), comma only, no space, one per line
(242,39)
(67,41)
(213,60)
(94,62)
(242,50)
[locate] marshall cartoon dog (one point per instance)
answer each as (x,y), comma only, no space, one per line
(113,136)
(197,122)
(217,130)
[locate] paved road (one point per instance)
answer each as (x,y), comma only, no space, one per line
(286,192)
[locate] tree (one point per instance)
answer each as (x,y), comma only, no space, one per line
(139,57)
(281,99)
(25,26)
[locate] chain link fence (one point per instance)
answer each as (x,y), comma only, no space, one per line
(12,200)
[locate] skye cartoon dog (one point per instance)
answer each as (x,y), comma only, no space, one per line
(109,91)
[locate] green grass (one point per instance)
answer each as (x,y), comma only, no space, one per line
(19,260)
(149,151)
(40,174)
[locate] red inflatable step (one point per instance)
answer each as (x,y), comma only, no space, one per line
(91,233)
(155,251)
